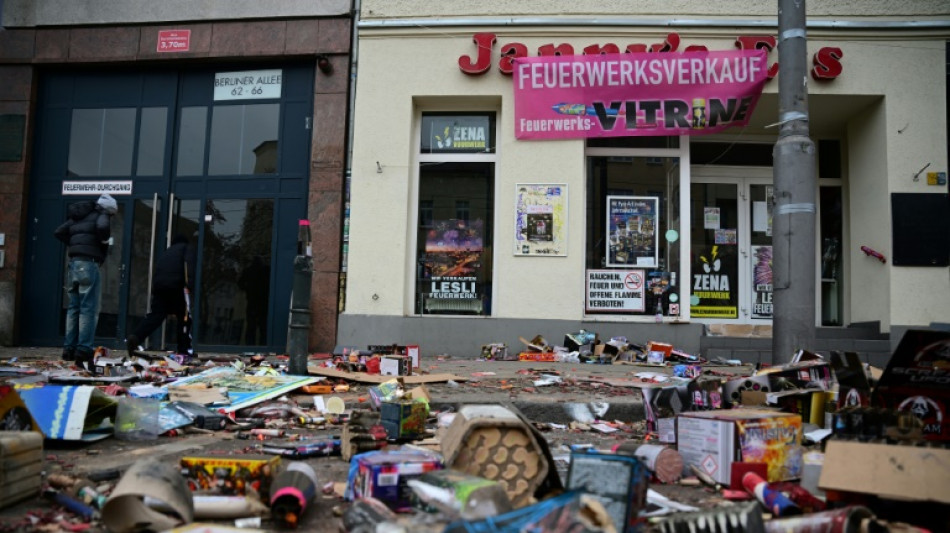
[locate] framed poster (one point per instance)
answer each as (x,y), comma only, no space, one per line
(632,232)
(541,219)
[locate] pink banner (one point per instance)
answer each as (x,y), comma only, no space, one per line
(617,95)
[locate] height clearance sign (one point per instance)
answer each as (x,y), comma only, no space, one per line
(614,95)
(616,291)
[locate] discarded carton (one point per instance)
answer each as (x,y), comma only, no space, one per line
(713,440)
(917,379)
(231,475)
(663,403)
(404,419)
(886,470)
(853,387)
(21,466)
(494,443)
(384,474)
(66,412)
(395,365)
(618,482)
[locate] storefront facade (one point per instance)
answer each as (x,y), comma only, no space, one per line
(472,222)
(225,123)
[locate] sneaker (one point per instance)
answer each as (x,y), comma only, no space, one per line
(69,354)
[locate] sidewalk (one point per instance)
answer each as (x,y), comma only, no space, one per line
(544,392)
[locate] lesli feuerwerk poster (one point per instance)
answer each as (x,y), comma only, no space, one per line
(632,231)
(453,263)
(541,219)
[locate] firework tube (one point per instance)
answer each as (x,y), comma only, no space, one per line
(291,493)
(773,500)
(665,463)
(844,520)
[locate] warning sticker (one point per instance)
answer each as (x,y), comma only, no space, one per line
(617,291)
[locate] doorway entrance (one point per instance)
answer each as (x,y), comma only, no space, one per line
(731,249)
(227,170)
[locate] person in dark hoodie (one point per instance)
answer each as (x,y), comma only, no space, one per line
(174,272)
(87,235)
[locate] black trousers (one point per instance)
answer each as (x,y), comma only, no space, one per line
(167,302)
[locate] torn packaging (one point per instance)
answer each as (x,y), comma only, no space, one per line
(125,511)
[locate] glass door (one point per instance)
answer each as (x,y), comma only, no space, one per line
(714,250)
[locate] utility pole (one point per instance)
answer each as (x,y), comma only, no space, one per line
(793,216)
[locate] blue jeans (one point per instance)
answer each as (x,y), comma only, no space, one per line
(82,315)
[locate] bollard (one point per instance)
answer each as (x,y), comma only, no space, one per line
(298,333)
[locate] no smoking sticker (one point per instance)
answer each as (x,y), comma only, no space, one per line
(633,281)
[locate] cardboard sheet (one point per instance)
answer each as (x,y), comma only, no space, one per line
(889,471)
(70,412)
(244,390)
(363,377)
(125,511)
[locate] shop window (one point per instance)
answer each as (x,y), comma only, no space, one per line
(633,248)
(244,139)
(100,142)
(455,215)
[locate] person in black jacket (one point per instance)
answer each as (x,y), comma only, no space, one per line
(87,234)
(174,273)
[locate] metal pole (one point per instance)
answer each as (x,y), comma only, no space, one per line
(298,334)
(793,224)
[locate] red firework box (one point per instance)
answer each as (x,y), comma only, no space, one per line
(384,475)
(714,440)
(917,379)
(231,476)
(537,356)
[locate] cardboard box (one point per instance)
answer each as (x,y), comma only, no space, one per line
(395,365)
(537,356)
(917,379)
(231,475)
(886,470)
(404,419)
(412,352)
(713,440)
(662,403)
(384,474)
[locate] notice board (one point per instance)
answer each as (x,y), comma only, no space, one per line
(921,229)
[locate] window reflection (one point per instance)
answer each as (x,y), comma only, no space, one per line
(191,141)
(235,272)
(151,152)
(100,142)
(244,139)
